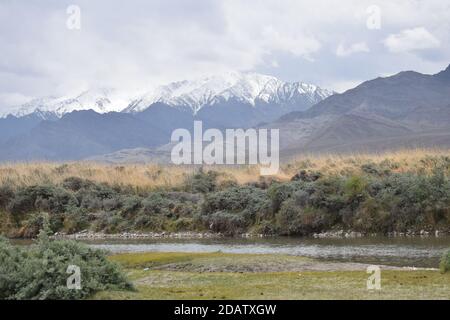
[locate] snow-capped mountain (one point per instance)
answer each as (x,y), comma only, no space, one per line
(248,88)
(192,95)
(100,100)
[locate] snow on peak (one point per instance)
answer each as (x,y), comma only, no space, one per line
(249,88)
(100,100)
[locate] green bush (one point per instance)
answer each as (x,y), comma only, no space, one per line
(307,176)
(40,271)
(110,222)
(181,224)
(415,201)
(130,205)
(157,203)
(288,218)
(33,225)
(371,217)
(201,182)
(6,195)
(149,223)
(355,187)
(444,265)
(226,223)
(279,192)
(328,194)
(249,202)
(46,198)
(75,220)
(295,220)
(76,183)
(378,200)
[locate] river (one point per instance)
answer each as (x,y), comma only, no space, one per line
(395,251)
(398,251)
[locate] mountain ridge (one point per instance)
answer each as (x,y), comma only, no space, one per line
(249,88)
(390,108)
(408,109)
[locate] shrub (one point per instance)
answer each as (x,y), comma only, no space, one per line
(376,200)
(201,182)
(381,169)
(226,223)
(76,183)
(444,265)
(249,202)
(371,217)
(33,225)
(130,205)
(148,222)
(306,176)
(326,194)
(181,224)
(46,198)
(279,192)
(111,204)
(6,195)
(355,187)
(22,203)
(110,222)
(316,220)
(75,220)
(287,219)
(157,203)
(415,201)
(265,227)
(39,272)
(295,220)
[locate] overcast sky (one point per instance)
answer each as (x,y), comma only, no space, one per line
(134,44)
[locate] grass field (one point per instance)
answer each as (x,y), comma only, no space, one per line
(151,176)
(235,276)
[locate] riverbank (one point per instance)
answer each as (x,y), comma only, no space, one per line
(88,235)
(337,234)
(238,276)
(398,196)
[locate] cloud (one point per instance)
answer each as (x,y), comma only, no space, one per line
(12,99)
(411,40)
(141,43)
(342,51)
(296,44)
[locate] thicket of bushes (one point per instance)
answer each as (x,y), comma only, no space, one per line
(40,271)
(376,201)
(444,265)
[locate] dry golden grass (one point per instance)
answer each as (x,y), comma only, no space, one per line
(404,160)
(152,176)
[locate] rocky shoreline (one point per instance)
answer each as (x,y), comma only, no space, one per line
(353,234)
(87,235)
(339,234)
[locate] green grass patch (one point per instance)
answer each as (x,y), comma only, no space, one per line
(153,259)
(155,282)
(285,285)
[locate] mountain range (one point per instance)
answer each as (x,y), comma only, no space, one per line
(104,120)
(408,109)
